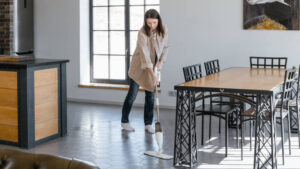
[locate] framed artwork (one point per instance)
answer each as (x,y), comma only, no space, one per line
(271,14)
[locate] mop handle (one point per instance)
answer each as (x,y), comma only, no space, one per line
(157,104)
(156,97)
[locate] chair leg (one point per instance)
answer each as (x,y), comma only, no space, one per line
(251,122)
(202,131)
(242,151)
(282,139)
(219,125)
(289,132)
(298,125)
(237,129)
(226,135)
(275,134)
(244,142)
(209,134)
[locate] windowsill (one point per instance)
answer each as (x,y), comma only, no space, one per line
(108,86)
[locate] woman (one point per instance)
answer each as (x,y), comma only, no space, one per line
(150,53)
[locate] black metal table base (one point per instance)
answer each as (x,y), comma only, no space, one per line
(185,147)
(265,144)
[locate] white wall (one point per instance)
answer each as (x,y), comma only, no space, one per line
(199,30)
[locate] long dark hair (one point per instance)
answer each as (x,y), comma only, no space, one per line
(153,14)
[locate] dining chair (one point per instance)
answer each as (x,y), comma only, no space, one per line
(221,111)
(282,106)
(210,108)
(295,107)
(268,62)
(192,72)
(261,62)
(212,67)
(281,111)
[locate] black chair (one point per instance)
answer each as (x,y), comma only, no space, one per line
(192,72)
(295,107)
(250,114)
(223,110)
(282,106)
(212,67)
(281,111)
(268,62)
(262,62)
(214,109)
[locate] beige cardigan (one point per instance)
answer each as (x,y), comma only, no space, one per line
(144,57)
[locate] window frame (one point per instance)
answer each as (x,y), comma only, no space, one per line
(127,32)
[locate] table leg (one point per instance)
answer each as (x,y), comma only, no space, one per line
(265,145)
(185,143)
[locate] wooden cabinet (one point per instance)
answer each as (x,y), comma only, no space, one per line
(32,101)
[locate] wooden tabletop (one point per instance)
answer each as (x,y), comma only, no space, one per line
(239,79)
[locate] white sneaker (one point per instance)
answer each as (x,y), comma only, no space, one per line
(149,129)
(127,127)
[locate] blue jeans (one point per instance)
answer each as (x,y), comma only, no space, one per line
(131,95)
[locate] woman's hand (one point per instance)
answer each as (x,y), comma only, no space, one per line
(155,81)
(158,66)
(154,78)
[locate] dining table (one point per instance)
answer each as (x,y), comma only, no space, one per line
(263,83)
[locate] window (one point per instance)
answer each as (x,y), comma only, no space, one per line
(114,28)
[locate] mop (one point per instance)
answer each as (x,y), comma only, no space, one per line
(158,131)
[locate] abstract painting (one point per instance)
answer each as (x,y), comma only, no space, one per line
(271,14)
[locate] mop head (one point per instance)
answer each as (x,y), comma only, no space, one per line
(158,155)
(157,127)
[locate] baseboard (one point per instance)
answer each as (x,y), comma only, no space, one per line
(113,103)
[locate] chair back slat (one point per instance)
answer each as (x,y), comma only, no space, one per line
(212,67)
(289,81)
(268,62)
(192,72)
(298,87)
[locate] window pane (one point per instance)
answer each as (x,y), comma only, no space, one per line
(152,7)
(100,42)
(136,17)
(117,18)
(117,42)
(130,59)
(136,2)
(100,2)
(116,2)
(152,2)
(117,67)
(133,40)
(100,67)
(100,18)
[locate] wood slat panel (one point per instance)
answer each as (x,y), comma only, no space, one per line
(46,94)
(46,129)
(47,111)
(45,77)
(8,80)
(9,133)
(8,98)
(8,116)
(241,78)
(46,103)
